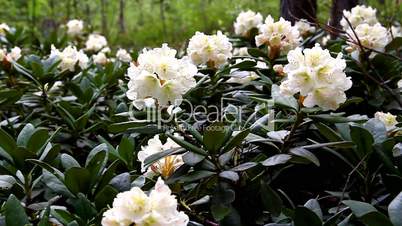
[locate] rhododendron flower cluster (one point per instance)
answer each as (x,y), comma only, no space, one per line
(134,207)
(123,56)
(100,58)
(13,55)
(304,27)
(317,76)
(359,15)
(280,36)
(211,50)
(371,36)
(95,42)
(388,119)
(4,28)
(246,21)
(165,166)
(75,27)
(70,57)
(160,76)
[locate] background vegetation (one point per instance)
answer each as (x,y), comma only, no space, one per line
(138,23)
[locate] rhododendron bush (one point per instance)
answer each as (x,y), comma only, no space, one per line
(275,124)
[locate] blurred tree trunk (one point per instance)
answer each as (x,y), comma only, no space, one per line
(75,8)
(141,13)
(122,22)
(103,17)
(293,10)
(337,12)
(88,14)
(68,8)
(163,19)
(33,13)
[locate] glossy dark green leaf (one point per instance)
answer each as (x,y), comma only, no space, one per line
(276,160)
(395,210)
(15,213)
(363,139)
(270,199)
(77,180)
(214,137)
(301,152)
(306,217)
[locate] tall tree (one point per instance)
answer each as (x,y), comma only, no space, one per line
(104,17)
(163,18)
(294,10)
(122,22)
(337,12)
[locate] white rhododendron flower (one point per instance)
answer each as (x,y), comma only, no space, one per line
(279,36)
(304,27)
(161,76)
(123,56)
(4,28)
(373,37)
(243,51)
(13,55)
(388,119)
(245,77)
(395,31)
(247,21)
(359,15)
(75,27)
(317,76)
(70,57)
(212,50)
(95,42)
(399,84)
(134,207)
(100,58)
(165,166)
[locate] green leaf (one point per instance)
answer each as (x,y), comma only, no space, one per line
(377,130)
(44,221)
(126,151)
(37,140)
(230,175)
(67,161)
(188,146)
(367,213)
(314,206)
(363,139)
(25,135)
(155,157)
(301,152)
(246,64)
(220,211)
(236,140)
(15,213)
(306,217)
(214,137)
(284,101)
(395,210)
(394,44)
(191,158)
(327,132)
(244,166)
(255,52)
(7,143)
(270,199)
(6,182)
(196,175)
(124,126)
(105,197)
(277,160)
(77,180)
